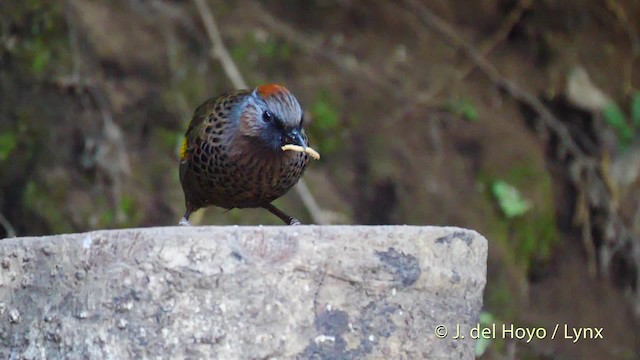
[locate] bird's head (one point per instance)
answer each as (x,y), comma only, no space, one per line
(272,116)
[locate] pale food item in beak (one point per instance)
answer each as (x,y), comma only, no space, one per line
(314,154)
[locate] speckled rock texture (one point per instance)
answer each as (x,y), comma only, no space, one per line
(298,292)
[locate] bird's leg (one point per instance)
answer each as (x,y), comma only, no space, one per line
(284,217)
(185,219)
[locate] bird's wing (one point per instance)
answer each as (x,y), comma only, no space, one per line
(211,109)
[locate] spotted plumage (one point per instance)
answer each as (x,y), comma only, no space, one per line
(231,155)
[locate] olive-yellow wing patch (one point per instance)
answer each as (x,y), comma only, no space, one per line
(183,149)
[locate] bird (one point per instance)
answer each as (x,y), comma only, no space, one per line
(233,153)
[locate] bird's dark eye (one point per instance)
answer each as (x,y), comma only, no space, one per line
(267,116)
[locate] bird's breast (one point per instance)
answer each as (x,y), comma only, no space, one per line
(248,178)
(270,174)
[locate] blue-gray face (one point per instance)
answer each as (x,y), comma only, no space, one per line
(273,115)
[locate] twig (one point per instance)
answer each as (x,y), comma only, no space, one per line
(111,155)
(567,144)
(346,63)
(617,9)
(8,228)
(172,59)
(427,97)
(432,21)
(230,68)
(219,49)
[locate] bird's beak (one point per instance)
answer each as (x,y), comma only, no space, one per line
(294,137)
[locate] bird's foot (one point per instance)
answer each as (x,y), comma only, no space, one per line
(184,222)
(294,221)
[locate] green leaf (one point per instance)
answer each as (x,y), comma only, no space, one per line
(635,109)
(616,119)
(486,318)
(482,344)
(509,199)
(465,108)
(7,144)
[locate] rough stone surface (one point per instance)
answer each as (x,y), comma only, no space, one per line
(305,292)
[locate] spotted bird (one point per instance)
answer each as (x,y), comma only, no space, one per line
(232,154)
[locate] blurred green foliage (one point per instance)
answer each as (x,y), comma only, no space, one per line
(8,142)
(499,297)
(617,120)
(274,48)
(482,344)
(626,130)
(324,126)
(524,230)
(260,50)
(509,199)
(635,109)
(169,140)
(45,202)
(39,42)
(464,107)
(129,209)
(529,226)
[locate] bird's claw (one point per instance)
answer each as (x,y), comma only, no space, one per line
(184,222)
(294,221)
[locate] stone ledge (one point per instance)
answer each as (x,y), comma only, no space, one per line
(320,292)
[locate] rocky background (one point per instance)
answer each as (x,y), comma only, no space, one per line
(515,118)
